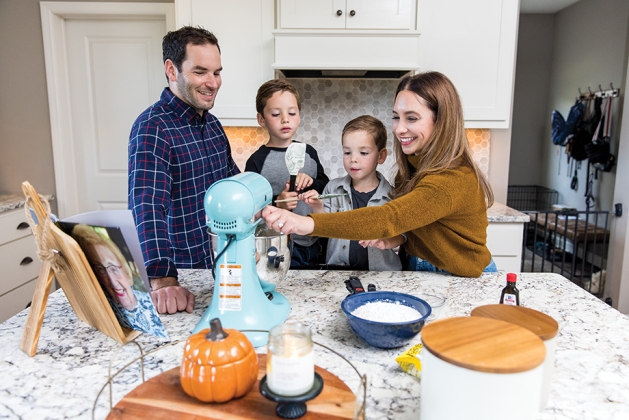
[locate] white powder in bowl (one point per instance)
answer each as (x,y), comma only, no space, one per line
(386,311)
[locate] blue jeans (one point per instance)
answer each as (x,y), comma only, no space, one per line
(417,264)
(304,256)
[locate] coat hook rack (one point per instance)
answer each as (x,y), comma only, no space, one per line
(609,93)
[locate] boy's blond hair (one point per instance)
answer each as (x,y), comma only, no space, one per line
(371,125)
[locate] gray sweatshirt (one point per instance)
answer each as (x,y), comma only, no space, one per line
(338,249)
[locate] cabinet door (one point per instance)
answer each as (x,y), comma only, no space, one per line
(473,43)
(380,14)
(19,262)
(309,14)
(504,241)
(17,300)
(347,14)
(244,31)
(13,225)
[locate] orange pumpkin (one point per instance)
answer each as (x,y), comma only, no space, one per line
(218,364)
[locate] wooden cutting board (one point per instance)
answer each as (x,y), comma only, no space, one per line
(162,397)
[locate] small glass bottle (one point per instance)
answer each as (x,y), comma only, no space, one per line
(290,359)
(510,294)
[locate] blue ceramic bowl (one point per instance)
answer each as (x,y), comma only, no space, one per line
(385,335)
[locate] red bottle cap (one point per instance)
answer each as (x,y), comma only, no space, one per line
(511,277)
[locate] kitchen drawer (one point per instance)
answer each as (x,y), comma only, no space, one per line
(15,270)
(13,225)
(504,239)
(15,301)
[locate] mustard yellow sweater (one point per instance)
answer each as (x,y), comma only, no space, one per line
(444,218)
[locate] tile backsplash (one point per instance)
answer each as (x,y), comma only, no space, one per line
(327,105)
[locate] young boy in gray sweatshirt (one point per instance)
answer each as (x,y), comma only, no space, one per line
(278,106)
(364,142)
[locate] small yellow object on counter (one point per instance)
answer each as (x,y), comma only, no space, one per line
(409,360)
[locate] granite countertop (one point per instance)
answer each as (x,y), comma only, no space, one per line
(14,201)
(502,214)
(62,380)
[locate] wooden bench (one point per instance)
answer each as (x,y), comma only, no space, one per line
(572,228)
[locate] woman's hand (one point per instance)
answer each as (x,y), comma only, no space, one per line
(286,222)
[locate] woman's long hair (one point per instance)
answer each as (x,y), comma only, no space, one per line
(448,146)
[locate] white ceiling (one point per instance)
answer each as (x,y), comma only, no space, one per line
(544,6)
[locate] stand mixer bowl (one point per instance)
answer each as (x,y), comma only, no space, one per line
(272,254)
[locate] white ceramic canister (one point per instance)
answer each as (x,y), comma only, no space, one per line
(544,326)
(480,368)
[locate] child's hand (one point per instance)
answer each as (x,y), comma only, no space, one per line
(310,198)
(288,205)
(302,182)
(388,243)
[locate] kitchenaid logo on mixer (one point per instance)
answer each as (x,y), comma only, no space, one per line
(230,288)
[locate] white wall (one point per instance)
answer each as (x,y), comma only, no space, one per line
(532,80)
(617,269)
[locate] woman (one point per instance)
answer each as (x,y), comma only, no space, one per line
(133,308)
(440,198)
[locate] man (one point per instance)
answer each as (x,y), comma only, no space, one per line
(177,149)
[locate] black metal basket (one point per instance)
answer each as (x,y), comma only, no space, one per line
(531,197)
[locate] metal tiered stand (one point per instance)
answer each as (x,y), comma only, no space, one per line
(360,394)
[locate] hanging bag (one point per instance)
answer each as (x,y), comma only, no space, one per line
(584,131)
(598,150)
(563,130)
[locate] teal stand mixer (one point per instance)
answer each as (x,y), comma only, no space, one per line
(241,299)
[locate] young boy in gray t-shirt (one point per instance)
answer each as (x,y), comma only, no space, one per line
(278,106)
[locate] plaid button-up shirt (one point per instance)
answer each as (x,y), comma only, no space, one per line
(175,154)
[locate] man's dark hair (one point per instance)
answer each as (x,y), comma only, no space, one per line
(175,43)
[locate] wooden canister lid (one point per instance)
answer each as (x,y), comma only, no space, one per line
(484,344)
(535,321)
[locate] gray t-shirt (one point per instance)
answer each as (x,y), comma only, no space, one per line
(270,163)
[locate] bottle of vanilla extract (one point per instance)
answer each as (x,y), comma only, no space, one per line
(510,294)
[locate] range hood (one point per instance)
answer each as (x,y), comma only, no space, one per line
(342,74)
(346,54)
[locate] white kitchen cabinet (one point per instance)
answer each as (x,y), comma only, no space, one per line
(244,31)
(504,241)
(360,35)
(19,261)
(474,44)
(347,14)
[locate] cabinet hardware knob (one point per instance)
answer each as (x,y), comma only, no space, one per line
(352,12)
(22,226)
(339,12)
(26,261)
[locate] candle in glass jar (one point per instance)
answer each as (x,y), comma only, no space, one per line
(290,360)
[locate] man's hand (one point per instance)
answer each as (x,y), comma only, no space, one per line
(169,297)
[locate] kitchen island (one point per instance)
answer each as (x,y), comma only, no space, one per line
(591,379)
